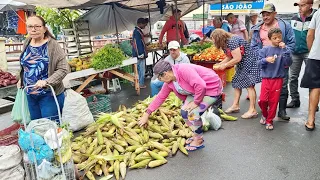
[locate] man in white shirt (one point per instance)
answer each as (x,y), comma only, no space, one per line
(175,57)
(311,77)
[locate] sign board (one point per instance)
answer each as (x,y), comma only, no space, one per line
(199,16)
(236,7)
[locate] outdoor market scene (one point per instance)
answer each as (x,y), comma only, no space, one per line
(161,89)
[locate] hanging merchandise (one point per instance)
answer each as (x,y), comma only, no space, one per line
(22,27)
(12,20)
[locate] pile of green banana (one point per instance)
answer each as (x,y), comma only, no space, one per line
(115,142)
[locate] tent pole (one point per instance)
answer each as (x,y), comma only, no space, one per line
(221,10)
(115,21)
(149,21)
(203,17)
(176,17)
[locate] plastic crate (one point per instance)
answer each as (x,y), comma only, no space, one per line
(230,73)
(209,64)
(99,103)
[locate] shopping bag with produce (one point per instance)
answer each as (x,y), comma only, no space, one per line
(76,111)
(16,113)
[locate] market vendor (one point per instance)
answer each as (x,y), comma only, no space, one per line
(217,23)
(175,57)
(170,26)
(238,52)
(43,62)
(197,86)
(139,49)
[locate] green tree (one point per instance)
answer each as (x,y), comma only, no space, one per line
(58,18)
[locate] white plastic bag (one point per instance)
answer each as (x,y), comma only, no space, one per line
(50,138)
(209,118)
(76,111)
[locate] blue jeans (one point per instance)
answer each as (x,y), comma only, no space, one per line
(156,86)
(44,106)
(141,70)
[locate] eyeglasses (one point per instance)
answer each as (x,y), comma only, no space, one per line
(160,75)
(36,27)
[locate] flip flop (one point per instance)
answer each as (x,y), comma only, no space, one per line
(196,147)
(269,127)
(308,128)
(250,116)
(263,121)
(189,139)
(231,110)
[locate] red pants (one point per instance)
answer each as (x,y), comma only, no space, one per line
(269,97)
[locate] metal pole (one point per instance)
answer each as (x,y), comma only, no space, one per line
(203,18)
(176,17)
(149,22)
(115,21)
(221,9)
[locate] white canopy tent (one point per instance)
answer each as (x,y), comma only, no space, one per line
(7,5)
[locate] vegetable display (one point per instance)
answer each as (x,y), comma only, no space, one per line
(210,54)
(107,57)
(81,63)
(7,79)
(195,48)
(115,141)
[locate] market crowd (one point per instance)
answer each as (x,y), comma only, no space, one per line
(270,51)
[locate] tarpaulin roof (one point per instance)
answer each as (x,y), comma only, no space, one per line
(7,5)
(141,4)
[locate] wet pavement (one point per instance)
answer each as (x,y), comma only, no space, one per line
(241,150)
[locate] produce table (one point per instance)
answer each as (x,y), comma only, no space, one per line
(91,74)
(8,91)
(155,54)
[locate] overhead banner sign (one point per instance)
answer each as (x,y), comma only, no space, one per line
(236,7)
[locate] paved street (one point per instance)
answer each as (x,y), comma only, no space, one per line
(242,150)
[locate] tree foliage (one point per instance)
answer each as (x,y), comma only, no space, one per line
(57,18)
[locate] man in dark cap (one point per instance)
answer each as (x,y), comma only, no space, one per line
(260,39)
(139,49)
(299,23)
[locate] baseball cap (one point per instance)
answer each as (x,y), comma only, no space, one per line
(141,21)
(268,8)
(161,66)
(173,45)
(253,13)
(303,2)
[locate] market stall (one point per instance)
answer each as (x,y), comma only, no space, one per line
(90,74)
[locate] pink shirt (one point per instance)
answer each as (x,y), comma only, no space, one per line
(264,34)
(197,80)
(238,28)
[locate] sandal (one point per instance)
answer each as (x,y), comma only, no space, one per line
(232,110)
(249,116)
(143,87)
(189,140)
(196,147)
(308,128)
(263,120)
(269,127)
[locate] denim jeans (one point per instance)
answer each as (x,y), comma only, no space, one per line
(141,70)
(156,86)
(44,106)
(295,68)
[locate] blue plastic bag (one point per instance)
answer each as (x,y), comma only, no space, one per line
(16,113)
(25,141)
(44,152)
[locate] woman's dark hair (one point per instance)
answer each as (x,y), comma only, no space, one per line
(47,33)
(274,31)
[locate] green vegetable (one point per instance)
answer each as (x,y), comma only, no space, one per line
(107,57)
